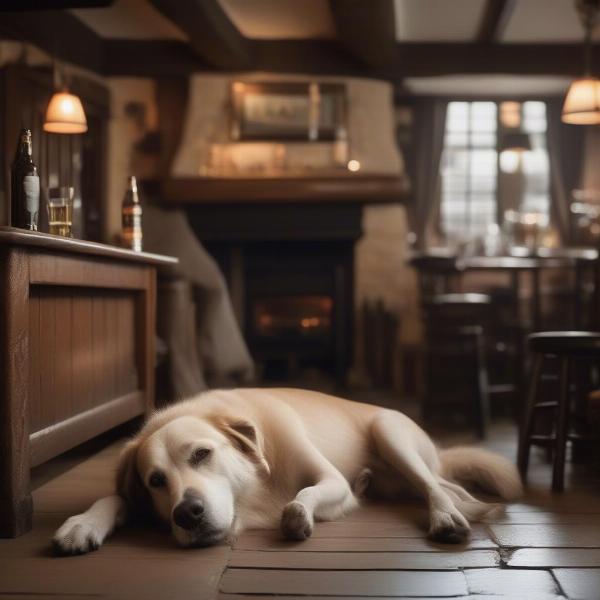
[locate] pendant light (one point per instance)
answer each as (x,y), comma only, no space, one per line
(582,103)
(65,112)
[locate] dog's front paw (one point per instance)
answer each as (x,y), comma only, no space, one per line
(78,535)
(449,528)
(296,522)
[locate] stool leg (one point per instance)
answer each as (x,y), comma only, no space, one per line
(527,426)
(481,406)
(562,428)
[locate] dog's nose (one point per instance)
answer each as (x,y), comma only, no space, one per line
(188,513)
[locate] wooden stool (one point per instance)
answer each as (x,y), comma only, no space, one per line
(455,341)
(566,345)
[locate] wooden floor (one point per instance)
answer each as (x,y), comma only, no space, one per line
(547,546)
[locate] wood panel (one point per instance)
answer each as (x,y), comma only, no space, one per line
(84,349)
(84,425)
(66,270)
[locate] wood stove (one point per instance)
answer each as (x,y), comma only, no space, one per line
(290,269)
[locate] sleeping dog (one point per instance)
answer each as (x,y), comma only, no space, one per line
(226,461)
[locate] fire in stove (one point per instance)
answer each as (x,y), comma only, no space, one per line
(293,316)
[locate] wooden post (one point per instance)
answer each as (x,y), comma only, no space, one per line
(16,506)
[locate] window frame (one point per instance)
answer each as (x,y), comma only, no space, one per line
(497,100)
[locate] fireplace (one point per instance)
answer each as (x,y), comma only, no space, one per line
(290,270)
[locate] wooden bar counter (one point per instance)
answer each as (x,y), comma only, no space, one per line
(77,325)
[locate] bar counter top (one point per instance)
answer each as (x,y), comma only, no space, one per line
(12,236)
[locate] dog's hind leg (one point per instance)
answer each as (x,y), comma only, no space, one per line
(86,532)
(408,449)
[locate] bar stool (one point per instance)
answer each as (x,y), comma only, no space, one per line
(566,346)
(455,327)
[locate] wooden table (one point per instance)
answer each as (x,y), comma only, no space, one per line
(77,326)
(520,260)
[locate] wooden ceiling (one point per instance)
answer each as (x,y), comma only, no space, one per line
(387,39)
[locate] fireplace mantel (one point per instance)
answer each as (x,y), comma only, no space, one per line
(361,189)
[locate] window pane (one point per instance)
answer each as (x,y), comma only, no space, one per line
(457,138)
(483,116)
(484,139)
(457,116)
(534,117)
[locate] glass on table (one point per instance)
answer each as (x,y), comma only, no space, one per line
(60,210)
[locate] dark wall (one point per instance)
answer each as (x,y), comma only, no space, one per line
(76,160)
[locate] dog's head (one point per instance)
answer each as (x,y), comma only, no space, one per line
(191,472)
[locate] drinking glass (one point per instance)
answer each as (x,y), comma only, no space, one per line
(60,210)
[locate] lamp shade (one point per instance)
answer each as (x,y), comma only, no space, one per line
(517,141)
(582,104)
(65,114)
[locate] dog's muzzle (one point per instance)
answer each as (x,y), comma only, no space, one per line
(190,516)
(189,513)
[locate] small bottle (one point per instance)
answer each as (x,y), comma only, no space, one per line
(131,233)
(25,186)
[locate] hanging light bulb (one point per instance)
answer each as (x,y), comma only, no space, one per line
(65,112)
(582,102)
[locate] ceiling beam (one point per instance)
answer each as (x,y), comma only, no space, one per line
(151,58)
(494,20)
(58,33)
(22,5)
(213,37)
(366,29)
(425,60)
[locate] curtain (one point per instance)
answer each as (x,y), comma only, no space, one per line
(424,166)
(565,153)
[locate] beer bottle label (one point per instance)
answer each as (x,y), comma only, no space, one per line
(31,188)
(132,227)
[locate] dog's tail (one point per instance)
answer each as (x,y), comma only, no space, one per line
(491,472)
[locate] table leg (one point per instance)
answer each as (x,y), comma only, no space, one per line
(536,301)
(16,506)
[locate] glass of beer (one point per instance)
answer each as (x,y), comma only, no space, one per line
(60,210)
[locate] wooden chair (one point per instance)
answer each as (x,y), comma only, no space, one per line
(567,346)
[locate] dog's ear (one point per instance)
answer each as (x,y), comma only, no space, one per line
(129,484)
(247,438)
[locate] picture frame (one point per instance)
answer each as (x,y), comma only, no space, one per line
(288,111)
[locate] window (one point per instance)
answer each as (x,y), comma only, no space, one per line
(480,183)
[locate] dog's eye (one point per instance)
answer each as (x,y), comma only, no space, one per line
(157,480)
(198,455)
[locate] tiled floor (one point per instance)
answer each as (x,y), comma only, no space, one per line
(547,546)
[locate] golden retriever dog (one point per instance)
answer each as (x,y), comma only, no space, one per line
(231,460)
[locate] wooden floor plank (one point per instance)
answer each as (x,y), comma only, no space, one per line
(545,518)
(512,583)
(339,583)
(387,529)
(361,561)
(555,557)
(579,584)
(547,536)
(271,541)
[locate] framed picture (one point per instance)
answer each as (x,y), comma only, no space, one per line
(288,111)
